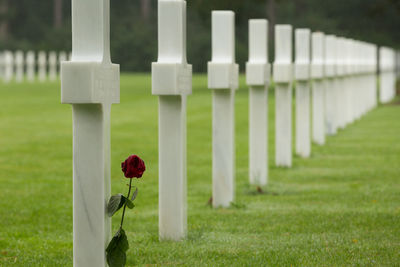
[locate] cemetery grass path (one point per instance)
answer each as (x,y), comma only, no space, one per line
(341,207)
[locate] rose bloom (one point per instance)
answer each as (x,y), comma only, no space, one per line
(133,166)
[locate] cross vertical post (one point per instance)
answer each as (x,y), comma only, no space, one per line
(387,69)
(42,66)
(330,89)
(340,89)
(302,76)
(172,83)
(30,66)
(8,66)
(90,83)
(223,77)
(52,66)
(19,66)
(258,72)
(283,75)
(318,89)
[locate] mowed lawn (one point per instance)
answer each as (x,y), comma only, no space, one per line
(341,207)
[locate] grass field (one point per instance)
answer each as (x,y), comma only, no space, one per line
(341,207)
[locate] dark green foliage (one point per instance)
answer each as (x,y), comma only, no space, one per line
(116,202)
(116,250)
(134,37)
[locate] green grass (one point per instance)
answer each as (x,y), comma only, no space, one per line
(341,207)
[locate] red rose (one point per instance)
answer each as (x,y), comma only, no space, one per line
(133,167)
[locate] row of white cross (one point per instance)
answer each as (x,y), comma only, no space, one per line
(19,66)
(343,82)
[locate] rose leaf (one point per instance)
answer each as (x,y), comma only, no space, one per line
(134,194)
(129,203)
(116,249)
(115,203)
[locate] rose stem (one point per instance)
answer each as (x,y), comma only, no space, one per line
(123,212)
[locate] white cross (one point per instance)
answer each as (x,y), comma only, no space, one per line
(258,72)
(19,66)
(30,66)
(223,75)
(52,66)
(302,75)
(90,82)
(330,89)
(172,82)
(42,66)
(8,66)
(340,83)
(318,90)
(387,70)
(283,75)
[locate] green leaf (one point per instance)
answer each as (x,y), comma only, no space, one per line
(116,249)
(134,194)
(115,203)
(129,204)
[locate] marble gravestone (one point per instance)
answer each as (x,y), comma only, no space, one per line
(330,88)
(353,80)
(19,66)
(283,75)
(340,84)
(398,64)
(373,62)
(223,80)
(30,66)
(172,82)
(8,66)
(358,92)
(317,87)
(42,66)
(52,66)
(387,72)
(348,110)
(90,83)
(302,76)
(258,72)
(2,65)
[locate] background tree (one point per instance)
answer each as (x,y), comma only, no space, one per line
(46,24)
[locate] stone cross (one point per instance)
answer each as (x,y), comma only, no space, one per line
(357,91)
(347,81)
(398,64)
(318,89)
(340,89)
(52,66)
(302,76)
(19,66)
(283,75)
(364,78)
(172,82)
(42,66)
(30,66)
(330,89)
(223,75)
(387,70)
(352,80)
(258,72)
(373,62)
(90,82)
(8,66)
(2,65)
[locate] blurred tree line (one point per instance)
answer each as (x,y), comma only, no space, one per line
(45,24)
